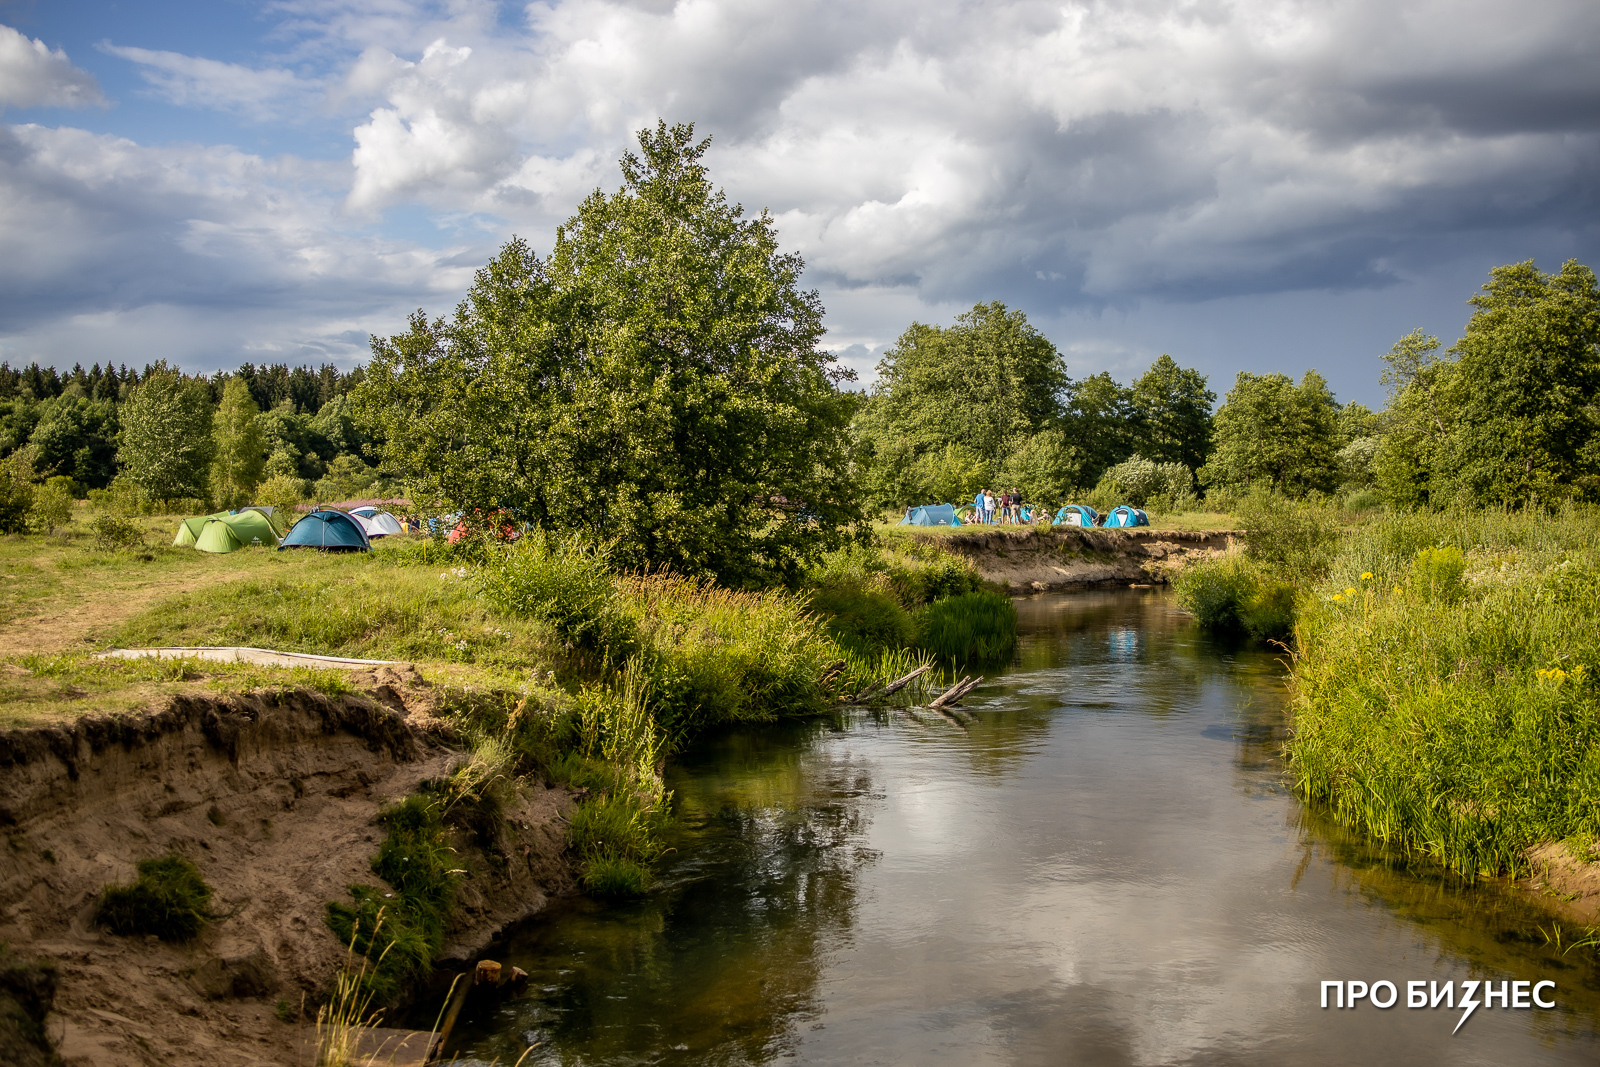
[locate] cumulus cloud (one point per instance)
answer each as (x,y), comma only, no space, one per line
(105,234)
(192,81)
(1085,152)
(1073,157)
(32,75)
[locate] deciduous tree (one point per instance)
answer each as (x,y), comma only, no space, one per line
(165,442)
(657,383)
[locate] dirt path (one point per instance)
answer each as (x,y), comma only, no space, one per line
(80,615)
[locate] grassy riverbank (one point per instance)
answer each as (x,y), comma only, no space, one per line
(1445,685)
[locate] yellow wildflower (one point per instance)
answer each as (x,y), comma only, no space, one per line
(1349,592)
(1366,576)
(1337,597)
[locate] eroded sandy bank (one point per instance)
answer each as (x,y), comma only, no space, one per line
(273,796)
(1036,560)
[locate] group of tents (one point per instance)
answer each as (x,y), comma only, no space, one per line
(1070,515)
(326,529)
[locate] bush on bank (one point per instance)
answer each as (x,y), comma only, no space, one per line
(1444,688)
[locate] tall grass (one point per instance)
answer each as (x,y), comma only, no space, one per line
(1236,593)
(970,629)
(1445,694)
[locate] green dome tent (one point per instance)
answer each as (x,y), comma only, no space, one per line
(189,529)
(229,533)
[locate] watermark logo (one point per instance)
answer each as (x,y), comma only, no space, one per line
(1510,995)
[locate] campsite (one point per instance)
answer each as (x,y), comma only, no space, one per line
(610,653)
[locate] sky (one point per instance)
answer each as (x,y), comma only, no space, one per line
(1261,185)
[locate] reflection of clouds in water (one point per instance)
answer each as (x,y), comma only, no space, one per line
(1171,956)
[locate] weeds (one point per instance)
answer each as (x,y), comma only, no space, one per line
(1444,688)
(401,932)
(169,899)
(973,628)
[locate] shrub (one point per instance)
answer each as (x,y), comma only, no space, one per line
(1236,594)
(169,899)
(1139,480)
(564,582)
(862,620)
(111,532)
(973,628)
(1294,539)
(16,494)
(52,507)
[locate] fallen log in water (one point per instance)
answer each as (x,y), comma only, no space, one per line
(900,683)
(955,693)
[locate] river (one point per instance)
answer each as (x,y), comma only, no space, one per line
(1104,867)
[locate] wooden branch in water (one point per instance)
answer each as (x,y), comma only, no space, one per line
(900,683)
(955,693)
(867,693)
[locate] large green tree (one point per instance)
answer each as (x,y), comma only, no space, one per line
(1171,409)
(239,446)
(77,437)
(165,443)
(985,382)
(657,383)
(1275,433)
(1099,421)
(1526,380)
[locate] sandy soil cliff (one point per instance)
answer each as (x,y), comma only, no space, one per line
(273,796)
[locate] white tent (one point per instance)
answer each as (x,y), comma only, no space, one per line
(377,523)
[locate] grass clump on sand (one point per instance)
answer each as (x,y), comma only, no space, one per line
(1445,690)
(169,899)
(401,934)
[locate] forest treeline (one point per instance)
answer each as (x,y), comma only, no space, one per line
(1506,415)
(158,435)
(657,384)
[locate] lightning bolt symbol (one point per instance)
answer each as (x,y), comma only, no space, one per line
(1467,1001)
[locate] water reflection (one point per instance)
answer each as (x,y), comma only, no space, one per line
(1105,868)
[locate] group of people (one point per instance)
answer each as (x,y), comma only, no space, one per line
(1007,508)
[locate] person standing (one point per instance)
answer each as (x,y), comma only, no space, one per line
(977,505)
(988,508)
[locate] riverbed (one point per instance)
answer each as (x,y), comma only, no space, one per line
(1105,866)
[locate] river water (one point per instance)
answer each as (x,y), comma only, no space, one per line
(1103,867)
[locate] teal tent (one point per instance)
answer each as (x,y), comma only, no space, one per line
(1123,515)
(1076,515)
(329,530)
(931,515)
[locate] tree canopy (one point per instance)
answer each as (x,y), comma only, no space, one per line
(1275,433)
(656,383)
(165,444)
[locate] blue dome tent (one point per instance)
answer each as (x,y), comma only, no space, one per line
(328,530)
(931,515)
(1076,515)
(1123,515)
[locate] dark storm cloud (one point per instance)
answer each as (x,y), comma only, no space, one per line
(1060,156)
